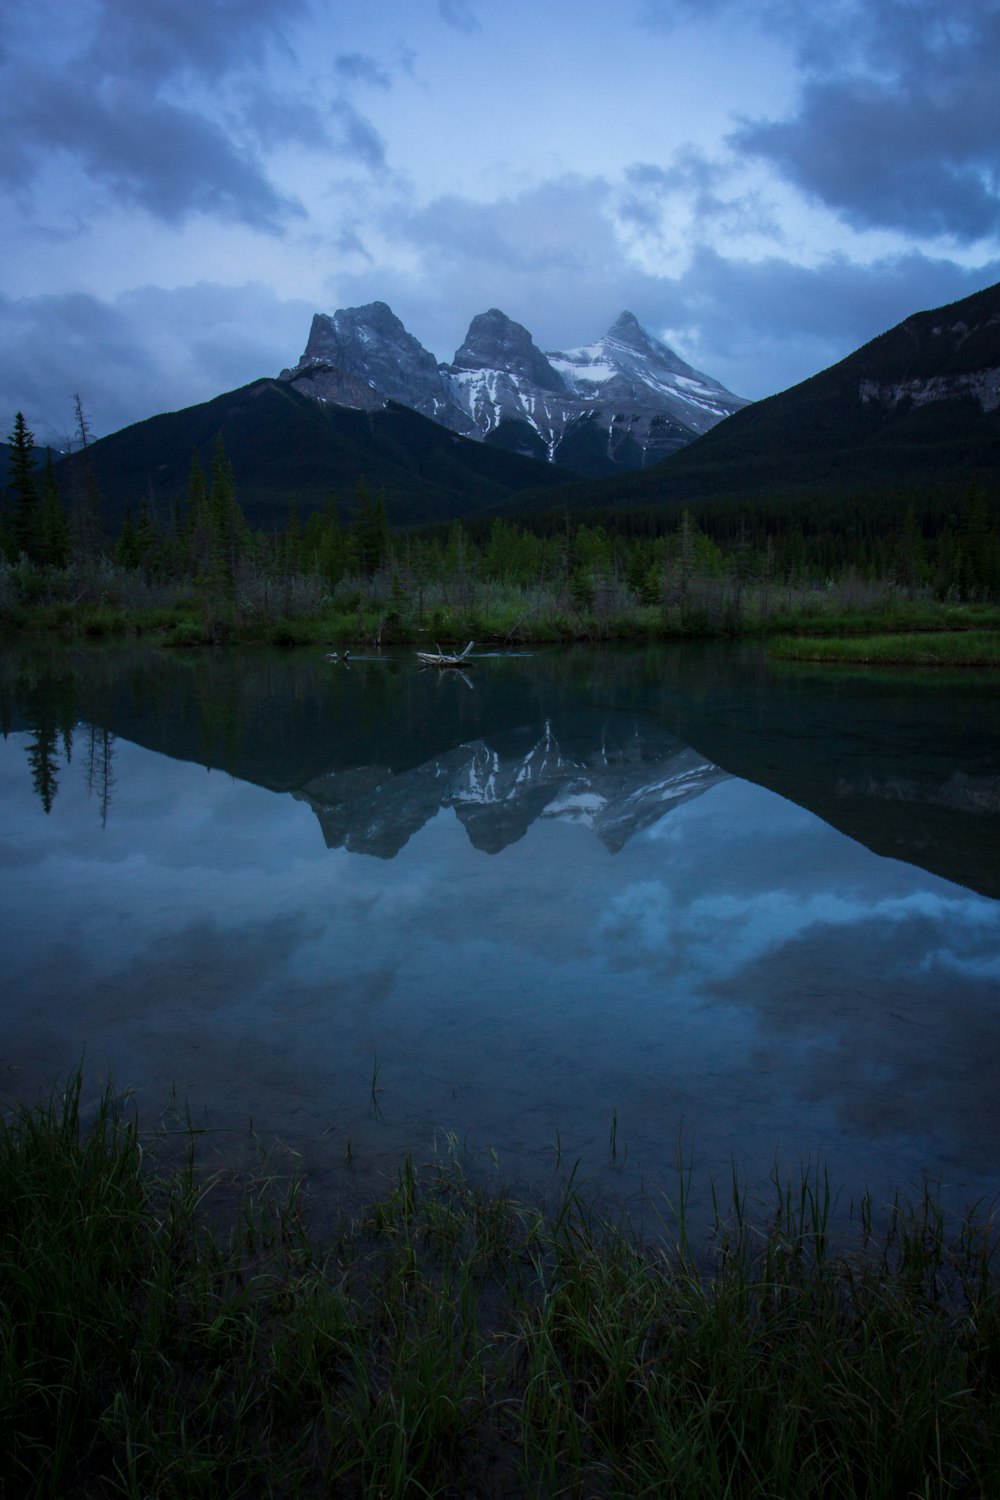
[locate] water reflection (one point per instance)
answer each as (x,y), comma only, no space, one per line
(613,776)
(538,905)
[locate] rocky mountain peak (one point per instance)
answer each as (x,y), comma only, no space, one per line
(622,402)
(628,333)
(357,339)
(369,348)
(627,329)
(496,342)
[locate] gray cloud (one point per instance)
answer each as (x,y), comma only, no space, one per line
(356,137)
(460,14)
(906,160)
(895,125)
(356,67)
(150,350)
(760,326)
(529,234)
(154,154)
(551,259)
(159,39)
(702,184)
(163,105)
(273,118)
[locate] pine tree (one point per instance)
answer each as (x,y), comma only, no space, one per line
(908,560)
(331,555)
(974,529)
(227,524)
(369,530)
(127,550)
(148,541)
(43,758)
(196,529)
(54,532)
(292,548)
(26,510)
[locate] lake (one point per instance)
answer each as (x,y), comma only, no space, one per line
(592,909)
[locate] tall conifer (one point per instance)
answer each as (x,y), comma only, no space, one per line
(54,532)
(26,507)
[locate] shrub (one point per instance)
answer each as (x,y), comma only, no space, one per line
(186,633)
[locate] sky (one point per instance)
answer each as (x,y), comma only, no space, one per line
(766,184)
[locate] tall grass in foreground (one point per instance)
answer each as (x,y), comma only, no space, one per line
(452,1342)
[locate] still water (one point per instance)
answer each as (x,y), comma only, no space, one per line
(594,907)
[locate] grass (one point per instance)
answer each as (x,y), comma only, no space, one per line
(102,600)
(958,648)
(452,1342)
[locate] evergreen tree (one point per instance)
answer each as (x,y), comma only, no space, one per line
(127,548)
(908,562)
(292,548)
(43,758)
(54,531)
(148,539)
(974,530)
(369,530)
(196,530)
(227,524)
(21,482)
(332,552)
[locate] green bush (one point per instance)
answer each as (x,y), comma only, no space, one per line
(186,633)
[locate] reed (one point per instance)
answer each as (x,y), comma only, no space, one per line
(450,1340)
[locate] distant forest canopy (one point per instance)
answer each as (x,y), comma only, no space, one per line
(945,543)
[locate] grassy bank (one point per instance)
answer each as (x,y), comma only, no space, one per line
(956,648)
(104,600)
(452,1342)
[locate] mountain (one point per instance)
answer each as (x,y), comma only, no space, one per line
(285,448)
(621,403)
(614,777)
(915,410)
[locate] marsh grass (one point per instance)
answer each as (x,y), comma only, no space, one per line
(452,1342)
(101,599)
(957,648)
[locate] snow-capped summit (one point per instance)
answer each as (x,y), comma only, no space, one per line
(628,364)
(620,403)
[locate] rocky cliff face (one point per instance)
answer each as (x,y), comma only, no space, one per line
(363,357)
(937,357)
(623,402)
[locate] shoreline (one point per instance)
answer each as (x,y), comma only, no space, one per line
(924,633)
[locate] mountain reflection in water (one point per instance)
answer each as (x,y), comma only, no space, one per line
(618,778)
(567,893)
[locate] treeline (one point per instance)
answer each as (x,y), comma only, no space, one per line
(715,563)
(947,543)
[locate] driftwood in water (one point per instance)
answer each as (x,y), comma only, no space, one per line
(444,659)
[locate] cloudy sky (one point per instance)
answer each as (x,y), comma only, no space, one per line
(766,184)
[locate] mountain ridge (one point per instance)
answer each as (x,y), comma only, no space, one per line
(620,403)
(916,408)
(285,449)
